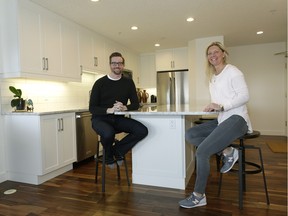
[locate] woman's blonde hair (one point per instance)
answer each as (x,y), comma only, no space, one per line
(210,70)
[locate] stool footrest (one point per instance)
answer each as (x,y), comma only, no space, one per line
(255,171)
(100,159)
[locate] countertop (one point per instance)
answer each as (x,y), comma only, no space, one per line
(149,109)
(183,109)
(46,112)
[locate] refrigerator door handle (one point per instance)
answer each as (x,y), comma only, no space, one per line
(173,90)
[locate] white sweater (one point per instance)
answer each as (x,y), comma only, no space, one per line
(230,90)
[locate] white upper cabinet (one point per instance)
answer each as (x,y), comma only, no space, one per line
(147,70)
(86,49)
(30,52)
(172,59)
(50,28)
(92,51)
(70,51)
(101,60)
(38,43)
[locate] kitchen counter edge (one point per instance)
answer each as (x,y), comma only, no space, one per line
(50,112)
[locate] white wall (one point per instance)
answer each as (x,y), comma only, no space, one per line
(265,75)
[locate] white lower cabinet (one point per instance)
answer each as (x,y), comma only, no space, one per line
(40,147)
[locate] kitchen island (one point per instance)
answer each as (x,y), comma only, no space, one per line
(163,158)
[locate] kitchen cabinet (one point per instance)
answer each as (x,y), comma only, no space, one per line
(70,51)
(92,51)
(40,147)
(147,70)
(172,59)
(36,42)
(133,63)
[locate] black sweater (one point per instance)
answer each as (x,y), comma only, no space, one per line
(106,92)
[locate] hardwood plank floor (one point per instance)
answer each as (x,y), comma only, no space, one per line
(75,193)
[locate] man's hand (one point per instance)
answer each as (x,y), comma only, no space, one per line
(117,107)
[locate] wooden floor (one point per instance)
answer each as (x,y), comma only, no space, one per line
(75,193)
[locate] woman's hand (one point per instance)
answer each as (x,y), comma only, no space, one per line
(213,107)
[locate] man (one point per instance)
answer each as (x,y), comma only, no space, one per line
(111,94)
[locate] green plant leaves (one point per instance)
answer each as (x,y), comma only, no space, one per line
(15,102)
(17,92)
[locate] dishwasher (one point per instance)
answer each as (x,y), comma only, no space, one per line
(87,138)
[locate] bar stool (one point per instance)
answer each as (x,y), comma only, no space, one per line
(101,158)
(242,171)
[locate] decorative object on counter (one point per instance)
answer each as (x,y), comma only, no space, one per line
(145,96)
(153,99)
(18,102)
(139,94)
(30,106)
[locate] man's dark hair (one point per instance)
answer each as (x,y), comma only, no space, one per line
(116,54)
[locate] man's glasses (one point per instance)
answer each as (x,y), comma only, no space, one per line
(117,63)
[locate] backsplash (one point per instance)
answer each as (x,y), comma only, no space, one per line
(49,95)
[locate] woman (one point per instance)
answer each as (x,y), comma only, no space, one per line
(229,95)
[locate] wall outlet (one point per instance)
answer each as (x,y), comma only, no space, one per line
(172,124)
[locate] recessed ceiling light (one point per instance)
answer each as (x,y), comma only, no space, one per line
(95,0)
(260,32)
(157,45)
(190,19)
(134,27)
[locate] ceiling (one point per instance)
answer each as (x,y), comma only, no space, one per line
(164,21)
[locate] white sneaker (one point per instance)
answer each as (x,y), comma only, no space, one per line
(193,201)
(229,160)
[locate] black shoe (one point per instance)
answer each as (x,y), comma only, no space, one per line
(110,162)
(118,157)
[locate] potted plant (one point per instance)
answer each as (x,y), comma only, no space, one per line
(18,101)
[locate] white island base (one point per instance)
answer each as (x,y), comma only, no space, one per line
(163,158)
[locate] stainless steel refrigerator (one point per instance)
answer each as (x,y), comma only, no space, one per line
(172,87)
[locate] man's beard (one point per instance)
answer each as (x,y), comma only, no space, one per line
(117,72)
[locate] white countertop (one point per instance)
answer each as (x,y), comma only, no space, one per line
(46,112)
(150,109)
(183,109)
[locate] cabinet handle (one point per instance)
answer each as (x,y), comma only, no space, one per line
(43,63)
(62,124)
(172,64)
(47,64)
(59,124)
(95,61)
